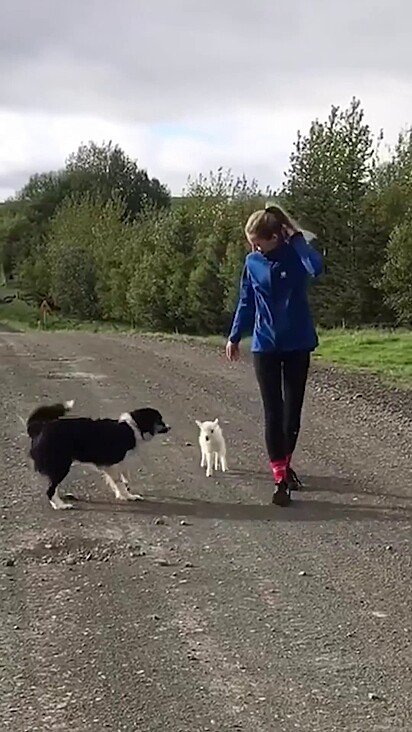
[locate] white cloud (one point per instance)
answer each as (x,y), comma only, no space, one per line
(186,87)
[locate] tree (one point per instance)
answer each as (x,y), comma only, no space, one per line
(205,288)
(74,281)
(107,172)
(159,290)
(230,272)
(90,235)
(222,184)
(104,173)
(38,201)
(391,191)
(326,187)
(397,272)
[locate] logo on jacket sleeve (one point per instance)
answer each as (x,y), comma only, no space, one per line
(283,275)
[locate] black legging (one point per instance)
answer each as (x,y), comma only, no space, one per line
(282,381)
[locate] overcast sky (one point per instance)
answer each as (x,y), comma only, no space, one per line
(188,85)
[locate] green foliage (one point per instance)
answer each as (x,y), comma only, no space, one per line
(231,270)
(397,271)
(106,172)
(74,282)
(100,172)
(100,239)
(205,289)
(95,233)
(326,188)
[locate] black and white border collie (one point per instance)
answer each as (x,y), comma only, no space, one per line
(105,444)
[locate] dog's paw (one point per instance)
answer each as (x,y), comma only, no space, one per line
(135,497)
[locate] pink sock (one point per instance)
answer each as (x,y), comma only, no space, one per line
(279,468)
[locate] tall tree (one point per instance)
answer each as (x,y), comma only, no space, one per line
(95,233)
(106,171)
(326,186)
(103,172)
(397,273)
(205,288)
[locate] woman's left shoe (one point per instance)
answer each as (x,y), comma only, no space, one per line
(281,496)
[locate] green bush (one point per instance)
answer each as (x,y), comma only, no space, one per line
(100,239)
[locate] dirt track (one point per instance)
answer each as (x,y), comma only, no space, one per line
(204,607)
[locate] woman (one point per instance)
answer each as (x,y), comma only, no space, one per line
(273,302)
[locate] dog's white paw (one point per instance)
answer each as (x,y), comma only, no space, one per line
(135,497)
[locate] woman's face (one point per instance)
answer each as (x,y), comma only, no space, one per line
(262,245)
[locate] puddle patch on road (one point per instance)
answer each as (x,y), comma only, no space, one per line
(66,375)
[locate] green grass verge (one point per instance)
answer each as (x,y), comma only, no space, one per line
(387,354)
(20,316)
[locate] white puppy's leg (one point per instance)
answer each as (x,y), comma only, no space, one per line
(203,459)
(223,462)
(119,489)
(216,461)
(209,462)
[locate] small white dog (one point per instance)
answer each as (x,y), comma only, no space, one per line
(212,445)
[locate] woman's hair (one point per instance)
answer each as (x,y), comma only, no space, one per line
(267,223)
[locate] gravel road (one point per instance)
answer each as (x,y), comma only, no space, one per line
(204,608)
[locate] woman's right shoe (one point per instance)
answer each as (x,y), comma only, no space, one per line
(281,495)
(293,481)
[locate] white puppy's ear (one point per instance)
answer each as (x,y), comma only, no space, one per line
(216,422)
(199,424)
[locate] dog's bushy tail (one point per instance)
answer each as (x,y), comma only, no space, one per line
(46,414)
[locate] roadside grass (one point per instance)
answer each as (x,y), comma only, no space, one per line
(20,315)
(385,353)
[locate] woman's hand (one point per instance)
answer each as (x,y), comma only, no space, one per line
(289,231)
(289,226)
(232,351)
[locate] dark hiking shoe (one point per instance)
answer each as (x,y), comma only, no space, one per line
(293,481)
(281,496)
